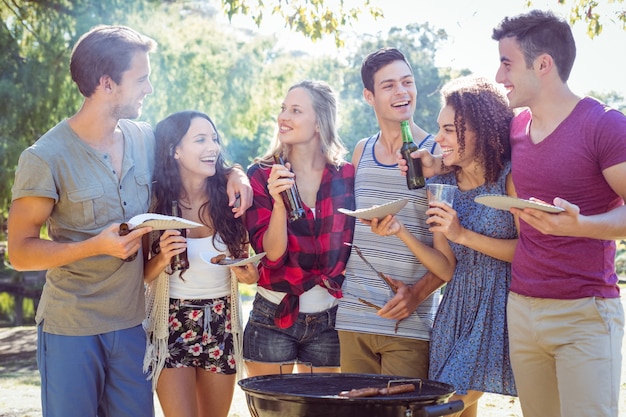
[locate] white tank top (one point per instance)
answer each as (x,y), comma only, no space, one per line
(312,301)
(202,280)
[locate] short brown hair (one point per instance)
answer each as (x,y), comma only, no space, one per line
(375,61)
(105,50)
(540,32)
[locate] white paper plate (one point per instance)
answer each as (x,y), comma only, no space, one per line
(161,222)
(505,202)
(376,212)
(206,257)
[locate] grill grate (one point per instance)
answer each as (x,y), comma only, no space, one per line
(330,385)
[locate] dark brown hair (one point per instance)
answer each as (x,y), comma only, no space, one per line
(541,32)
(167,184)
(375,61)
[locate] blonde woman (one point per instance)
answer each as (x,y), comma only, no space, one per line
(293,315)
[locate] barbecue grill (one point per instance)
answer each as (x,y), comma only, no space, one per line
(317,395)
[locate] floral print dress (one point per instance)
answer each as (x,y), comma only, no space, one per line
(469,346)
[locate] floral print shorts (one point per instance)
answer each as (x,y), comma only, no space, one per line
(201,336)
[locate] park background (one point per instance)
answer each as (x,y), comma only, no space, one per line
(235,60)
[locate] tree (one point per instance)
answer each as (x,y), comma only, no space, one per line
(611,98)
(229,74)
(236,76)
(316,18)
(313,18)
(587,11)
(36,90)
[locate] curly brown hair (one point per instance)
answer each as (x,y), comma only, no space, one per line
(480,106)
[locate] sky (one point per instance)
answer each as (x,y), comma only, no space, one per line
(600,63)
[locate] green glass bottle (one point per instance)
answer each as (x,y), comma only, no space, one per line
(414,176)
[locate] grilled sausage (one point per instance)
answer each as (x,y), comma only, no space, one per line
(361,392)
(218,258)
(397,389)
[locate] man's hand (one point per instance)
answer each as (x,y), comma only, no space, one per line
(409,297)
(565,223)
(401,306)
(387,226)
(239,191)
(111,242)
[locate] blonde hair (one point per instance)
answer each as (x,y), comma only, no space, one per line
(325,107)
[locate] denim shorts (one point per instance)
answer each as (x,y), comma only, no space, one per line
(311,340)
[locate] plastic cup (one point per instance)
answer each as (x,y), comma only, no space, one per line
(441,193)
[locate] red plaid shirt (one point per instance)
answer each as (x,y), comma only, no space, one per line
(316,254)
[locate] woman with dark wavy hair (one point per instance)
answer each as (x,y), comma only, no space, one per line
(473,244)
(193,359)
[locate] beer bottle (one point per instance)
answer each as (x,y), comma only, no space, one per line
(291,197)
(179,262)
(414,176)
(123,231)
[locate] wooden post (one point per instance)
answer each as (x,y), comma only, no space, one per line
(19,309)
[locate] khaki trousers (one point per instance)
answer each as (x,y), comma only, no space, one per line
(566,355)
(379,354)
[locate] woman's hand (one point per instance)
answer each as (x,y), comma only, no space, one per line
(171,243)
(444,219)
(280,179)
(401,306)
(431,164)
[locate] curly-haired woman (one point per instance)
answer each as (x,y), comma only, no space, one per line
(473,244)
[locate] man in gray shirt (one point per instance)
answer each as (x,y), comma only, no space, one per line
(83,178)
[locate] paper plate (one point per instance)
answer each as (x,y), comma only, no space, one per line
(505,202)
(376,212)
(206,257)
(161,222)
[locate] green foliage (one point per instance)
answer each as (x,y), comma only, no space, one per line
(586,11)
(235,77)
(313,18)
(7,309)
(611,98)
(7,306)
